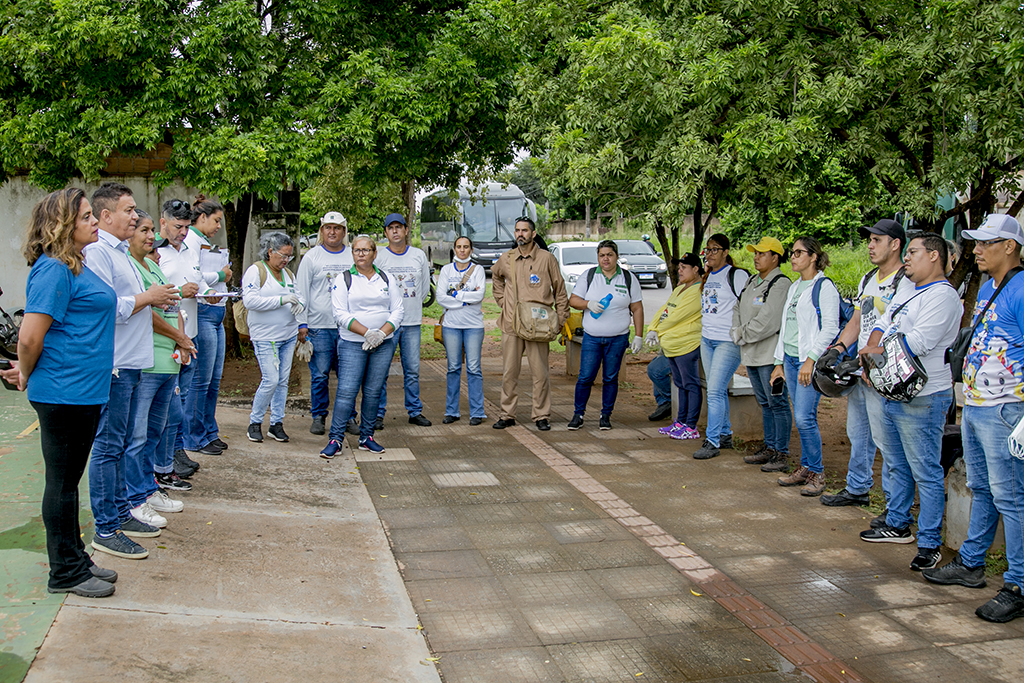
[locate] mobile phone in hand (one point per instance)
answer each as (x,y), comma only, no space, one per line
(6,365)
(777,386)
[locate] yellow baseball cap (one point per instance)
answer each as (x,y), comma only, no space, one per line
(767,244)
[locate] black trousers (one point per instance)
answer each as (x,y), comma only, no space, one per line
(66,433)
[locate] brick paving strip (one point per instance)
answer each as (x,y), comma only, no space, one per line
(789,641)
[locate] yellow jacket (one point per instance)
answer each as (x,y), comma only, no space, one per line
(678,321)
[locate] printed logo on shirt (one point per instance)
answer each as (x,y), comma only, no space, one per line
(709,299)
(534,279)
(759,300)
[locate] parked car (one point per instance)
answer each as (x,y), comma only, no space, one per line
(574,259)
(649,268)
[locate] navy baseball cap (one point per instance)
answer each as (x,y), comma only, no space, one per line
(394,218)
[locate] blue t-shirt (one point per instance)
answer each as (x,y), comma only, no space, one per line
(994,367)
(78,351)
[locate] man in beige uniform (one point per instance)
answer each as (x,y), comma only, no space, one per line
(537,279)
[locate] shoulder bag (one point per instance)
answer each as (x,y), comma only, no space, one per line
(531,320)
(957,353)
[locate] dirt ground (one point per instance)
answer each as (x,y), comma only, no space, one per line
(242,376)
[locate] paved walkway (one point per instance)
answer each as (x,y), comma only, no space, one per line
(528,556)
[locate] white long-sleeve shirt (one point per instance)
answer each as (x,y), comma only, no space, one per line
(929,316)
(269,319)
(464,310)
(181,267)
(410,272)
(812,340)
(133,333)
(211,261)
(372,302)
(316,276)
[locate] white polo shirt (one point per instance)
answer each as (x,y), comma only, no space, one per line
(615,319)
(372,302)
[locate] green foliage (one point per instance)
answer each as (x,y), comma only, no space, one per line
(363,205)
(846,265)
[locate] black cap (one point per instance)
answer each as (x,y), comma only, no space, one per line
(886,226)
(690,259)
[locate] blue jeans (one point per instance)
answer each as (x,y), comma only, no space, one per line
(659,371)
(470,340)
(720,359)
(325,359)
(185,377)
(201,404)
(107,491)
(805,414)
(275,359)
(996,479)
(172,433)
(156,391)
(366,370)
(408,340)
(910,439)
(686,376)
(776,417)
(605,353)
(864,408)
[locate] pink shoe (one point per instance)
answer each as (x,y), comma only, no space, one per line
(686,433)
(672,428)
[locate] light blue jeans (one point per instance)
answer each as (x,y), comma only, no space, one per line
(996,479)
(275,359)
(863,419)
(201,403)
(470,340)
(366,370)
(805,414)
(720,360)
(408,340)
(910,439)
(155,393)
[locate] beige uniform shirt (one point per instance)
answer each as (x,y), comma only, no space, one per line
(537,279)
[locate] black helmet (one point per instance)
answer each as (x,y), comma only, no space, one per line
(836,380)
(898,375)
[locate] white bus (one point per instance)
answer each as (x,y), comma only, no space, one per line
(486,214)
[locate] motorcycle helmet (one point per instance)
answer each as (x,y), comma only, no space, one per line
(646,238)
(836,380)
(898,374)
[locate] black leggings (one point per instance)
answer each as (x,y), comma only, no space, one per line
(66,433)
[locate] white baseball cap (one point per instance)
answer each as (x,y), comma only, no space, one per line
(997,226)
(333,218)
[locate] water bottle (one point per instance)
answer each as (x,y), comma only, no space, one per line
(607,299)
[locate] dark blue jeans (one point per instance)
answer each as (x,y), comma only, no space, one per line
(407,338)
(659,371)
(776,418)
(66,434)
(107,491)
(156,391)
(325,359)
(201,404)
(686,376)
(605,353)
(366,370)
(185,377)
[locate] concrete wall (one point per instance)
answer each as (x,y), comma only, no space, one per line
(17,197)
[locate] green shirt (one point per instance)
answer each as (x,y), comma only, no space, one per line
(791,342)
(163,346)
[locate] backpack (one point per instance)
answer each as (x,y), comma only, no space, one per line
(347,276)
(238,309)
(771,284)
(900,274)
(846,311)
(625,273)
(732,280)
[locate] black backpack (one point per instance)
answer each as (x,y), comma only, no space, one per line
(625,273)
(347,275)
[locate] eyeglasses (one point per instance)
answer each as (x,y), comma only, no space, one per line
(362,252)
(712,250)
(989,243)
(284,257)
(798,252)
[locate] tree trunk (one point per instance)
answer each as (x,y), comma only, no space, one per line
(236,225)
(409,197)
(670,253)
(698,221)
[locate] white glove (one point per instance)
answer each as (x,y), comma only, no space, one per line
(290,300)
(636,345)
(651,339)
(304,351)
(595,306)
(374,338)
(297,309)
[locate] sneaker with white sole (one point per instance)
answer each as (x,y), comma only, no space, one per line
(685,433)
(147,515)
(368,444)
(119,545)
(887,534)
(136,529)
(331,449)
(672,428)
(926,558)
(172,482)
(161,502)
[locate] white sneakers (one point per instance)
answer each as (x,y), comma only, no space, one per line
(161,502)
(147,515)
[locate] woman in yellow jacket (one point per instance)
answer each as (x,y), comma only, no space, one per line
(677,327)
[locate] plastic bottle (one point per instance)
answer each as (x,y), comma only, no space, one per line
(604,302)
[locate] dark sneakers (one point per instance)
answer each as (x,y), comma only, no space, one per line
(887,534)
(319,426)
(353,427)
(503,423)
(575,423)
(331,449)
(379,424)
(605,423)
(211,449)
(219,443)
(90,588)
(662,412)
(171,481)
(543,425)
(777,462)
(725,441)
(844,497)
(707,451)
(879,521)
(255,433)
(760,457)
(926,558)
(419,420)
(1006,606)
(450,419)
(108,575)
(119,545)
(277,431)
(474,421)
(134,528)
(955,572)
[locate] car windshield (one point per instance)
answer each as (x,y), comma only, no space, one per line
(579,256)
(634,248)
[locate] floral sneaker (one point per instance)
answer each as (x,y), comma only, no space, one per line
(686,433)
(673,428)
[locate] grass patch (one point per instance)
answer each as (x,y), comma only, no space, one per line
(846,269)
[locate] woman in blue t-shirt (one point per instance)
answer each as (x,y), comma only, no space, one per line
(66,357)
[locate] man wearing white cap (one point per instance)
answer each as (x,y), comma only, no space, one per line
(993,376)
(319,266)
